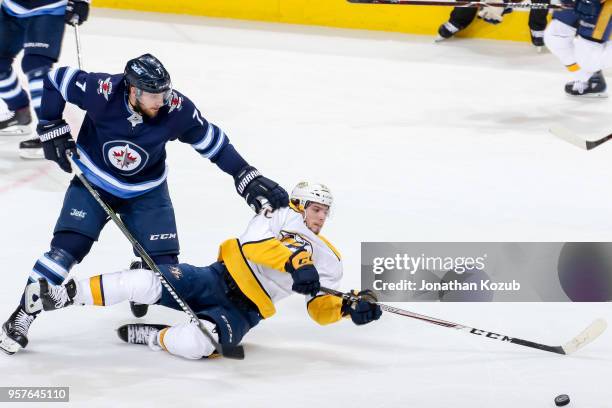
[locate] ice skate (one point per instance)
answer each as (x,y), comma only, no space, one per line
(14,334)
(16,123)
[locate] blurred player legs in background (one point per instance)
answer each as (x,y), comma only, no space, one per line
(37,28)
(579,39)
(462,17)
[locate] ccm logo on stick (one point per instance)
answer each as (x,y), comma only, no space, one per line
(156,237)
(490,335)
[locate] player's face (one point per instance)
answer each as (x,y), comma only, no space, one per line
(147,103)
(315,215)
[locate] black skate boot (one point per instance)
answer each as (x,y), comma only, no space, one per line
(16,123)
(55,297)
(138,309)
(537,39)
(446,31)
(138,333)
(595,87)
(31,149)
(14,334)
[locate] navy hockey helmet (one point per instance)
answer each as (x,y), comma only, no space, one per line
(147,73)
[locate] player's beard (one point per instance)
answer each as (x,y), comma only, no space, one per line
(149,113)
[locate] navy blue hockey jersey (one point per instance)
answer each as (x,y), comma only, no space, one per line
(29,8)
(121,151)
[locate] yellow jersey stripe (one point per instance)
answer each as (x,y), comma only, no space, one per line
(236,263)
(162,333)
(573,68)
(95,284)
(602,21)
(269,252)
(334,250)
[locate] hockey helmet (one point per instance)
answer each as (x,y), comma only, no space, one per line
(147,73)
(304,193)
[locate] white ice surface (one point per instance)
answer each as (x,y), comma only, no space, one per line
(419,141)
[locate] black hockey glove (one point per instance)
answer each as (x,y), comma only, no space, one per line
(364,310)
(254,187)
(304,274)
(57,142)
(77,12)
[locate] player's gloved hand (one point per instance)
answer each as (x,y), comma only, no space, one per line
(493,15)
(254,187)
(304,274)
(57,142)
(77,12)
(587,8)
(364,310)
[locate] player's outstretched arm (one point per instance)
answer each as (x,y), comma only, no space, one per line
(327,309)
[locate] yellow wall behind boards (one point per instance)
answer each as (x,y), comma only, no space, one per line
(332,13)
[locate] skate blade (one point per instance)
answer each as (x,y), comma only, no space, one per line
(31,154)
(16,131)
(439,39)
(8,345)
(598,95)
(33,303)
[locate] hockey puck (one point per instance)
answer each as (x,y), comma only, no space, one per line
(562,400)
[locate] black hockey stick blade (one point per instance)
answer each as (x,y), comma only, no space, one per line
(577,140)
(233,352)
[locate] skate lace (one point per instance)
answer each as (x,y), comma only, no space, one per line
(23,321)
(59,295)
(6,115)
(139,334)
(580,86)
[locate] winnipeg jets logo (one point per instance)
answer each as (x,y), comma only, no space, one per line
(176,102)
(125,156)
(105,87)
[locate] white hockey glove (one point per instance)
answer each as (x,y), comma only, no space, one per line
(492,15)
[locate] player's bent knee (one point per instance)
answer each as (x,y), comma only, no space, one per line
(188,341)
(142,285)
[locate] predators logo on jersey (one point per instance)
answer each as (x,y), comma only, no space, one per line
(295,241)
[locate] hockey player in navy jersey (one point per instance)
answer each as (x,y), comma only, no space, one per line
(579,37)
(121,151)
(279,254)
(37,28)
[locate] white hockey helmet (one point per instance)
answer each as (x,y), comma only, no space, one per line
(304,193)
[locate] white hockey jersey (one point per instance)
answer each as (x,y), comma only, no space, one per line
(257,261)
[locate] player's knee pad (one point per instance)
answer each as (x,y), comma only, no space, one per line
(188,341)
(137,285)
(54,266)
(559,39)
(77,245)
(589,54)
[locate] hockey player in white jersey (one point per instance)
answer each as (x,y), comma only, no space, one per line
(579,38)
(280,253)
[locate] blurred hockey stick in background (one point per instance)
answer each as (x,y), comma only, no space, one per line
(234,352)
(577,140)
(77,37)
(589,334)
(462,3)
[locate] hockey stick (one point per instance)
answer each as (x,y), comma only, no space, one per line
(235,352)
(589,334)
(461,3)
(576,140)
(78,40)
